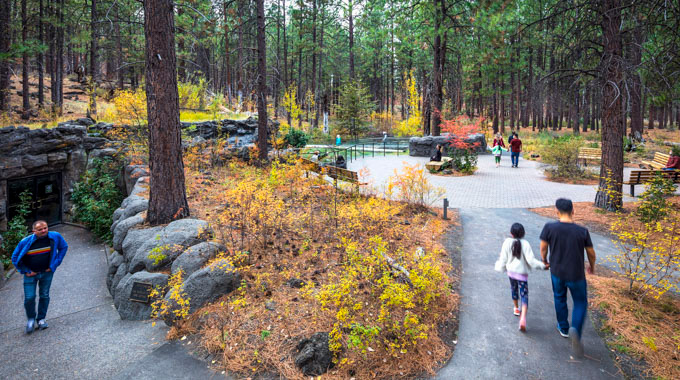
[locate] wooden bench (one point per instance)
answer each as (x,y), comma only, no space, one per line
(332,171)
(660,160)
(310,165)
(639,177)
(585,154)
(436,166)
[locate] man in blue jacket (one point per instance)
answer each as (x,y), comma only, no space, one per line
(37,256)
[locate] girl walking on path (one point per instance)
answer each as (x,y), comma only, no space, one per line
(497,148)
(496,151)
(517,259)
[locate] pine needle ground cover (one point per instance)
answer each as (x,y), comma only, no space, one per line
(369,271)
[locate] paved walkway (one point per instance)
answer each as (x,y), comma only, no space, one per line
(489,343)
(86,338)
(490,187)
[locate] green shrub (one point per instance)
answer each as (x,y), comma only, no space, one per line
(463,160)
(16,228)
(653,203)
(95,197)
(562,152)
(296,138)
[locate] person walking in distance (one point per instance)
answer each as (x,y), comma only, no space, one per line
(515,149)
(37,256)
(566,242)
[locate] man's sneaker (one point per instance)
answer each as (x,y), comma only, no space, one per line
(42,324)
(564,334)
(30,326)
(576,344)
(516,311)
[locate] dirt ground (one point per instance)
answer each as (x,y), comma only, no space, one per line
(75,101)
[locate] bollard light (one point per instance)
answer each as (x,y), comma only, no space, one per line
(446,205)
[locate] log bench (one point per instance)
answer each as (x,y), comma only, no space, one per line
(593,154)
(435,166)
(658,162)
(640,177)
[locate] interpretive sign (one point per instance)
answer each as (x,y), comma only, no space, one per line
(140,292)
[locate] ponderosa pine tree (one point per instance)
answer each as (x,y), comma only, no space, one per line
(167,195)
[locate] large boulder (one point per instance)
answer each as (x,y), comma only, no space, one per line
(168,244)
(204,286)
(136,238)
(314,357)
(121,229)
(115,260)
(132,310)
(117,277)
(196,257)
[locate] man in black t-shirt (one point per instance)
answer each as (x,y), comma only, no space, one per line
(567,241)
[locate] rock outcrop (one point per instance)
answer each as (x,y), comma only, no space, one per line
(425,146)
(142,252)
(68,149)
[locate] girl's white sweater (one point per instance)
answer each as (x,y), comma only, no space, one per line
(508,262)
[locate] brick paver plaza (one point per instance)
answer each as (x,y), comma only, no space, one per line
(490,187)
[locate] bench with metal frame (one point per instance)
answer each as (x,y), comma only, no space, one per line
(640,177)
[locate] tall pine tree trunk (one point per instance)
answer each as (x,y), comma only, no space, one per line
(351,40)
(41,58)
(94,69)
(261,84)
(609,195)
(26,112)
(167,195)
(5,42)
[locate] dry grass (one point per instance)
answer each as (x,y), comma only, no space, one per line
(648,330)
(595,218)
(256,329)
(75,107)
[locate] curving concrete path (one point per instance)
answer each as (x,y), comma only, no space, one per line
(86,338)
(489,343)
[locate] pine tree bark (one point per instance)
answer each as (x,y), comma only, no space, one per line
(227,53)
(167,199)
(437,72)
(94,69)
(119,50)
(261,84)
(41,59)
(315,120)
(26,113)
(609,195)
(5,10)
(351,40)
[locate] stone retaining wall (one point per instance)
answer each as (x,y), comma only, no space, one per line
(145,254)
(68,149)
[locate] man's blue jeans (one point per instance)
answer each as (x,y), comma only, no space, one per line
(514,157)
(579,295)
(44,281)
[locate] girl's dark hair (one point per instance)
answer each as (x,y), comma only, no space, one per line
(517,231)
